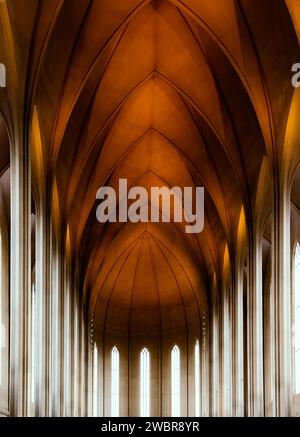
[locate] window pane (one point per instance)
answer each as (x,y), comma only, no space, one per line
(197,379)
(95,381)
(33,342)
(145,383)
(115,382)
(175,381)
(1,310)
(297,319)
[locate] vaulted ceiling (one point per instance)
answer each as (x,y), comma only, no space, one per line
(161,92)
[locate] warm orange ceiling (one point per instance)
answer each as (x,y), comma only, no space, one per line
(163,92)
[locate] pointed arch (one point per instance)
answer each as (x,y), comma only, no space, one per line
(175,381)
(144,383)
(115,382)
(197,378)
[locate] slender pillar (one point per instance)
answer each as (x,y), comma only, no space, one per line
(19,277)
(269,344)
(226,353)
(215,360)
(56,329)
(4,318)
(76,360)
(43,310)
(71,346)
(67,343)
(205,377)
(238,342)
(89,372)
(81,361)
(255,322)
(282,303)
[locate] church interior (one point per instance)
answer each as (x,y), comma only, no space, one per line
(143,319)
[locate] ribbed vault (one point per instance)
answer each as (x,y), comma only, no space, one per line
(146,292)
(162,92)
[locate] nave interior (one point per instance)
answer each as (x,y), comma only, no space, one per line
(144,319)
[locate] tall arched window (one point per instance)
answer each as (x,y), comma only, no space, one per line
(197,379)
(34,350)
(175,381)
(33,341)
(115,382)
(145,383)
(296,307)
(95,380)
(1,308)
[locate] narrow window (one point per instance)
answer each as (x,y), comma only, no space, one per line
(115,382)
(33,342)
(175,381)
(95,381)
(297,320)
(145,383)
(1,309)
(197,379)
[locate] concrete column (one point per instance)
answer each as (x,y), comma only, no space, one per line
(226,354)
(255,323)
(282,303)
(215,360)
(76,358)
(269,344)
(56,329)
(4,319)
(73,344)
(20,277)
(81,363)
(43,310)
(204,363)
(89,370)
(67,343)
(238,344)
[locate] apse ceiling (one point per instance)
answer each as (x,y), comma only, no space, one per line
(161,92)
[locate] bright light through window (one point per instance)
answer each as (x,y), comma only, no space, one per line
(33,342)
(95,381)
(115,382)
(297,319)
(175,381)
(197,379)
(1,310)
(145,383)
